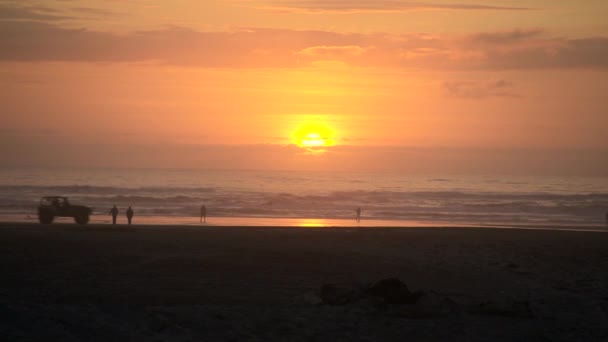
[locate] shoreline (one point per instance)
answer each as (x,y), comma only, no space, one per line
(257,222)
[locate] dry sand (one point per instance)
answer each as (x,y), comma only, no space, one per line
(104,283)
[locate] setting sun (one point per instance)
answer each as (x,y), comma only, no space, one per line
(313,135)
(313,140)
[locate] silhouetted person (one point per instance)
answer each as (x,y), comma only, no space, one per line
(607,219)
(129,214)
(203,213)
(114,213)
(358,216)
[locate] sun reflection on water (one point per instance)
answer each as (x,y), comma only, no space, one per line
(311,223)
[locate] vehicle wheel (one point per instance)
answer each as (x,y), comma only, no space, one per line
(82,219)
(45,218)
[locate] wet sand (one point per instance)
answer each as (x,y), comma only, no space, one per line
(102,282)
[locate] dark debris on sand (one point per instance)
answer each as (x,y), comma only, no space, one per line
(433,317)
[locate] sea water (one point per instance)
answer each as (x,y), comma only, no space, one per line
(311,198)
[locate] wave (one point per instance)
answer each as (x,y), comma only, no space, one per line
(90,189)
(443,193)
(472,199)
(455,204)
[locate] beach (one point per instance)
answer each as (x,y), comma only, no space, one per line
(303,170)
(236,283)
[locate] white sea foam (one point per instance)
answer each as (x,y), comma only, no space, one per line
(493,200)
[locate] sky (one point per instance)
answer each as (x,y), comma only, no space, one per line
(513,86)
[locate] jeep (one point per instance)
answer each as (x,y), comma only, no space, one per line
(57,206)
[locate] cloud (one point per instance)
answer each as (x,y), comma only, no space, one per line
(506,37)
(7,77)
(332,52)
(350,6)
(93,11)
(32,11)
(35,41)
(479,90)
(411,160)
(12,12)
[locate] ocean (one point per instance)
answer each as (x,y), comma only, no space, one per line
(316,198)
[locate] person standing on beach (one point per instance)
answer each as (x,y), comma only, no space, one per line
(114,213)
(358,214)
(203,213)
(129,215)
(606,218)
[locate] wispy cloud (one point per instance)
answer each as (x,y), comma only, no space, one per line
(282,48)
(28,149)
(93,11)
(17,12)
(479,89)
(350,6)
(506,37)
(332,52)
(25,10)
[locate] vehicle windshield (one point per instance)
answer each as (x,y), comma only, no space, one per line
(54,201)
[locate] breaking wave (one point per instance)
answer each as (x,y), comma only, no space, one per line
(422,205)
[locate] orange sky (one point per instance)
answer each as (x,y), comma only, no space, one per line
(106,75)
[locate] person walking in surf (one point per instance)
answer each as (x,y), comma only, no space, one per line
(129,215)
(358,214)
(203,214)
(114,213)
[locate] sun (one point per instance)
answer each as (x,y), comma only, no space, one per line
(312,135)
(313,139)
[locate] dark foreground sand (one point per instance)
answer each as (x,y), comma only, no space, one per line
(104,283)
